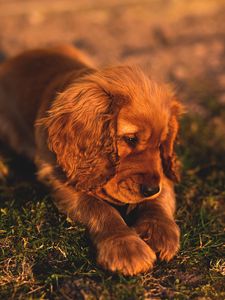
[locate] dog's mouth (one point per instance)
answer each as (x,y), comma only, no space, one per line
(126,199)
(102,194)
(124,192)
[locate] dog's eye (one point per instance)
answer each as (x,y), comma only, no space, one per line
(130,140)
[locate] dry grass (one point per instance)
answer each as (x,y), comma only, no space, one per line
(44,256)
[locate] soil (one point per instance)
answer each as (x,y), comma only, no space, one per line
(176,41)
(181,42)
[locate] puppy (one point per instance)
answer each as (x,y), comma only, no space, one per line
(103,140)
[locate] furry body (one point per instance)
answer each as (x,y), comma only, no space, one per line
(101,139)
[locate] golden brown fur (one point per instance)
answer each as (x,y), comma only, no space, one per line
(104,141)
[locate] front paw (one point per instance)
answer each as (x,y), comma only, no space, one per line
(129,255)
(162,235)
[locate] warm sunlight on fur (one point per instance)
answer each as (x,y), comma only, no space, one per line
(101,139)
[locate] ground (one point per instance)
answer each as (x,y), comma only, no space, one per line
(43,255)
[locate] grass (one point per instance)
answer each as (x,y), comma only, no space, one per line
(44,256)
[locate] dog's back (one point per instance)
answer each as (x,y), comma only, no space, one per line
(23,83)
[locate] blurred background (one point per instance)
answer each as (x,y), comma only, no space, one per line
(178,41)
(174,40)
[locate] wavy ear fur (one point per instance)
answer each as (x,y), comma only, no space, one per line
(169,160)
(81,128)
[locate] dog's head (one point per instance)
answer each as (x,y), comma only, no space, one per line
(113,134)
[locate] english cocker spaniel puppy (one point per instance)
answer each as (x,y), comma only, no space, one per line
(103,140)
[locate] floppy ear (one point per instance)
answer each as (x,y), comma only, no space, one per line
(81,132)
(169,159)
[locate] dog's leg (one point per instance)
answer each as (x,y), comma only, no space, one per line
(156,226)
(118,247)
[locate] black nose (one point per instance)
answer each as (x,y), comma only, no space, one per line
(148,191)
